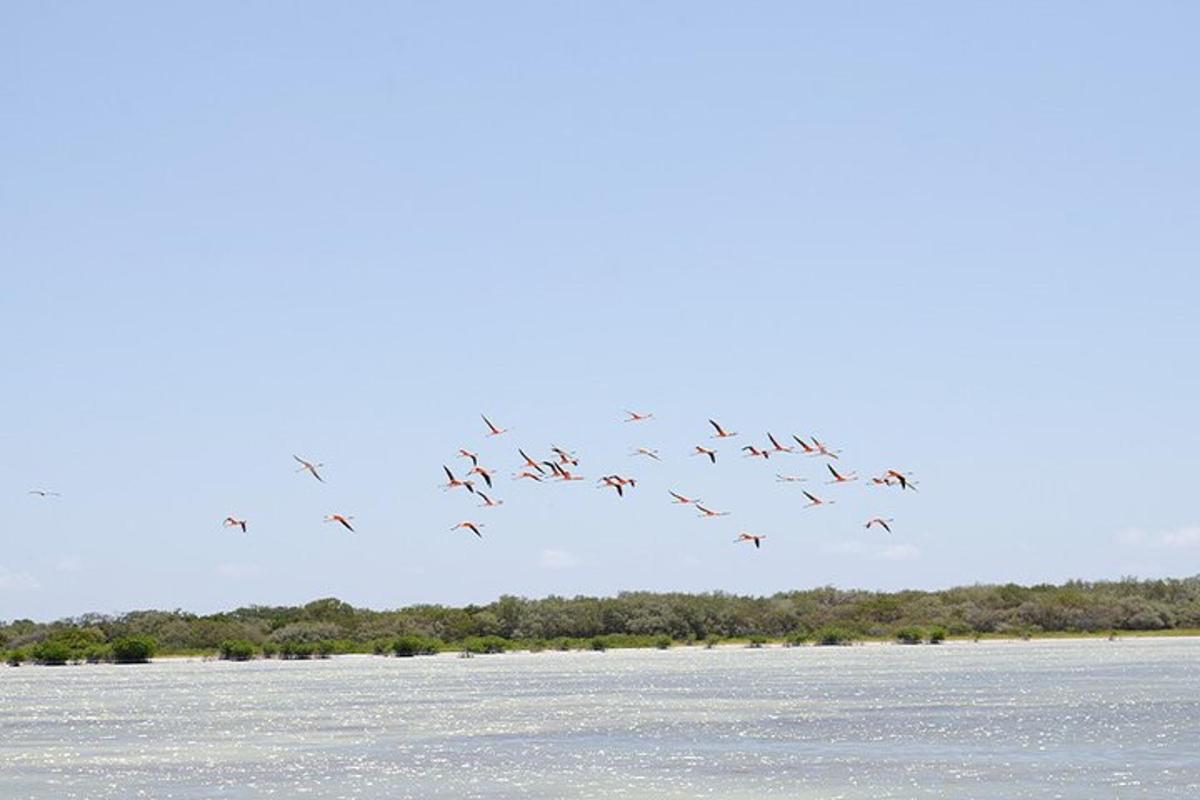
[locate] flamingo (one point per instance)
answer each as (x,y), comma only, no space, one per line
(750,537)
(529,462)
(704,451)
(808,449)
(527,474)
(880,521)
(777,447)
(471,526)
(646,451)
(489,502)
(838,477)
(231,522)
(619,483)
(564,457)
(492,429)
(615,482)
(823,451)
(561,472)
(343,521)
(483,472)
(453,482)
(816,501)
(44,493)
(680,500)
(709,513)
(882,481)
(636,417)
(754,452)
(468,454)
(309,467)
(721,432)
(903,479)
(789,478)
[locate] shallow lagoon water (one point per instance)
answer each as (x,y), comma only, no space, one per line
(1041,719)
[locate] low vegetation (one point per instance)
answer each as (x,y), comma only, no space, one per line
(408,646)
(135,649)
(833,635)
(238,650)
(631,619)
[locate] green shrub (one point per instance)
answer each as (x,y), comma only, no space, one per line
(757,641)
(297,650)
(485,644)
(325,648)
(16,657)
(64,644)
(495,644)
(51,652)
(381,647)
(305,632)
(270,649)
(711,641)
(795,639)
(598,644)
(910,635)
(562,644)
(134,649)
(409,646)
(98,653)
(834,636)
(624,640)
(937,634)
(423,645)
(237,650)
(663,642)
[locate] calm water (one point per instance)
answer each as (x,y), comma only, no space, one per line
(1092,719)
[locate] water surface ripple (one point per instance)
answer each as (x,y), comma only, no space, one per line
(1041,719)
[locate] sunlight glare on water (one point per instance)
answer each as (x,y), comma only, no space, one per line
(1042,719)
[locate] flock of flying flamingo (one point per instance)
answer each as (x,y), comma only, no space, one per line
(562,466)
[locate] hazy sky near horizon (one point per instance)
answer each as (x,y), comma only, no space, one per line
(950,238)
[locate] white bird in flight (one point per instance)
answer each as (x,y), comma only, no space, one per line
(308,466)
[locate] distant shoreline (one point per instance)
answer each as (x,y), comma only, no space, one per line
(731,645)
(823,615)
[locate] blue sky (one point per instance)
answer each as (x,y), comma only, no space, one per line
(954,239)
